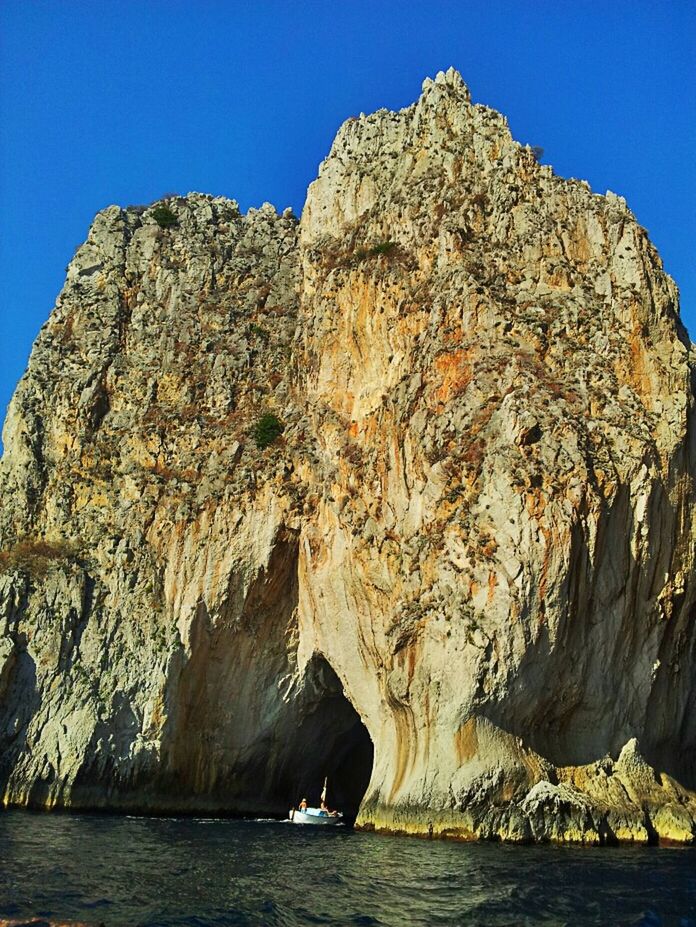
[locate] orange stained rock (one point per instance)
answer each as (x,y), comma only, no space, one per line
(492,583)
(535,503)
(412,652)
(455,335)
(578,246)
(466,741)
(405,743)
(455,369)
(551,541)
(637,369)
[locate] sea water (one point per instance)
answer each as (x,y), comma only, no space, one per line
(131,871)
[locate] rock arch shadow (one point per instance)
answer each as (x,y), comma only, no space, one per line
(330,740)
(20,699)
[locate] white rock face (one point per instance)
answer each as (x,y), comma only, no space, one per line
(479,513)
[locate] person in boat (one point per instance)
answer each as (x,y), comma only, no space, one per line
(303,804)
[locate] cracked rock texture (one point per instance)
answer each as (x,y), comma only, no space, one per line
(475,530)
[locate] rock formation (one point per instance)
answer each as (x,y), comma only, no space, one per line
(460,581)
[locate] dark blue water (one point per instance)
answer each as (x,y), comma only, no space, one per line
(149,871)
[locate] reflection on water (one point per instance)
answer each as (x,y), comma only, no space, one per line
(165,871)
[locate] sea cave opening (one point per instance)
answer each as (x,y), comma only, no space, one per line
(330,742)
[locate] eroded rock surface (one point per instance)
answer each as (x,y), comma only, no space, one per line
(473,540)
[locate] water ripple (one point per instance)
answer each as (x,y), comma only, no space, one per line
(208,872)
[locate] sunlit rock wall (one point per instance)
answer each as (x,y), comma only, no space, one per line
(479,512)
(493,357)
(149,579)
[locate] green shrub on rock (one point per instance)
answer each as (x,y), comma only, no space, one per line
(382,247)
(164,217)
(266,430)
(259,331)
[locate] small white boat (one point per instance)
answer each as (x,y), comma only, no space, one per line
(314,816)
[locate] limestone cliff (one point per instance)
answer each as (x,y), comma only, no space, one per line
(473,540)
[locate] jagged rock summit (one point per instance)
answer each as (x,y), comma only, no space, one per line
(460,581)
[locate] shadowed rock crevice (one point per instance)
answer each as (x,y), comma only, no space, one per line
(220,753)
(570,721)
(19,700)
(225,716)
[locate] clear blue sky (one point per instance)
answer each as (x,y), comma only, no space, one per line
(121,101)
